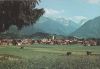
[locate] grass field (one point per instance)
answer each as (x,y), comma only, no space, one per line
(50,57)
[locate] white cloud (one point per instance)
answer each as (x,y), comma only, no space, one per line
(77,19)
(93,1)
(53,12)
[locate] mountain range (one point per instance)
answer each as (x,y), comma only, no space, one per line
(62,26)
(91,29)
(59,26)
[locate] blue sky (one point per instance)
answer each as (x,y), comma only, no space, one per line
(72,9)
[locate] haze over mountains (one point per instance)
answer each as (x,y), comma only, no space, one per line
(62,26)
(59,26)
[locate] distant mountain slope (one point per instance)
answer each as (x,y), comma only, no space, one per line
(40,35)
(46,25)
(91,29)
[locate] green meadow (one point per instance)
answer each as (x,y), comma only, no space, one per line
(39,56)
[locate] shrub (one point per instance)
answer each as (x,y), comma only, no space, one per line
(89,53)
(69,53)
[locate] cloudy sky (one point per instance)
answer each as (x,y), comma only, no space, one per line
(72,9)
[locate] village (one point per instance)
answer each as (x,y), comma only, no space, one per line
(52,41)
